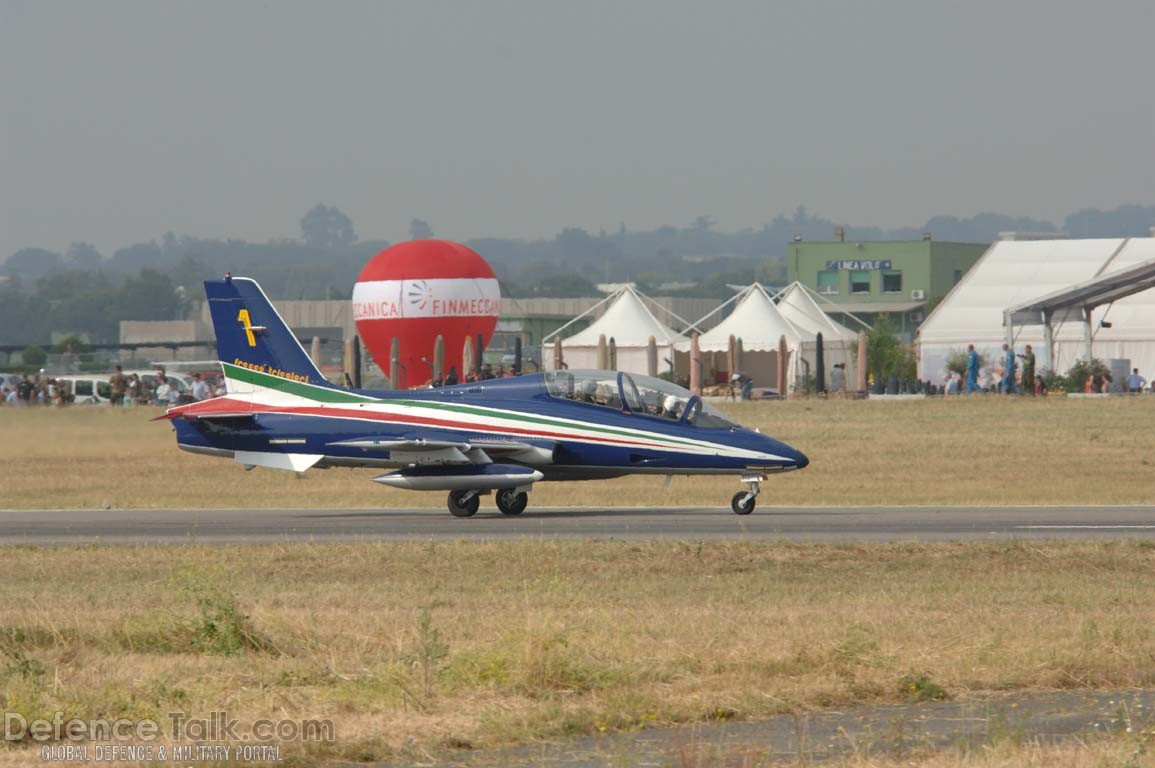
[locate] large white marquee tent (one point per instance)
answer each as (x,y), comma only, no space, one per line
(758,323)
(760,320)
(797,305)
(630,324)
(1015,272)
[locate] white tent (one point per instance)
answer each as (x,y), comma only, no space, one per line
(630,324)
(797,305)
(1013,272)
(758,323)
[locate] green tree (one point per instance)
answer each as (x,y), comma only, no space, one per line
(35,356)
(138,256)
(71,345)
(1076,377)
(957,360)
(563,286)
(704,223)
(326,227)
(34,262)
(886,355)
(882,346)
(419,229)
(83,256)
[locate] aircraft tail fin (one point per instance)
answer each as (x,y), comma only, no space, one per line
(252,336)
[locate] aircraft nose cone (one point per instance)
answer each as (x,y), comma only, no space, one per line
(794,459)
(800,459)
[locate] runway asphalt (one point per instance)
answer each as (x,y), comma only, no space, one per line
(841,524)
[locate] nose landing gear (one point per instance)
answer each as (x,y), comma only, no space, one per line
(743,501)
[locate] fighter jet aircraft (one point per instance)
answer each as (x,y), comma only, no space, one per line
(498,436)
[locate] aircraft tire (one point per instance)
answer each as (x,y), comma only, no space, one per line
(468,509)
(510,502)
(741,505)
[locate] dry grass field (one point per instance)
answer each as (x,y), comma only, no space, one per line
(962,451)
(415,649)
(419,649)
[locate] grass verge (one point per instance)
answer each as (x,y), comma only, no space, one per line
(982,450)
(424,648)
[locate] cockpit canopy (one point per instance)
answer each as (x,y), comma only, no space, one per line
(635,393)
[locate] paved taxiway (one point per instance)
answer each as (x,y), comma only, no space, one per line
(787,523)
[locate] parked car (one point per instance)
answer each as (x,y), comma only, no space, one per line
(529,361)
(178,381)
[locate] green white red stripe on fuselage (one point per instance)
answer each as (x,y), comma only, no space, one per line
(260,393)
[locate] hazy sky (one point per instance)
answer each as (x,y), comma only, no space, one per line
(123,120)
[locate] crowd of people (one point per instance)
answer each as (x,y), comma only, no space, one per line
(120,389)
(1016,374)
(36,390)
(486,373)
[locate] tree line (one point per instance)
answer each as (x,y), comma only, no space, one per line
(84,291)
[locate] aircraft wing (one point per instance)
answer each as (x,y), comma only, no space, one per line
(528,453)
(393,444)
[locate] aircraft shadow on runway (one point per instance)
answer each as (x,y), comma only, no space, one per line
(545,514)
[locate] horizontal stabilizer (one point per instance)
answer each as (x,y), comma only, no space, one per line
(218,416)
(478,477)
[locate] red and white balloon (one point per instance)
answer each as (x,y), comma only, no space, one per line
(418,290)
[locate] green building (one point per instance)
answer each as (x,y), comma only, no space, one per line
(866,279)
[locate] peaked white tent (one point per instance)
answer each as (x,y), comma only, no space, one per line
(1014,272)
(796,304)
(757,322)
(630,323)
(799,307)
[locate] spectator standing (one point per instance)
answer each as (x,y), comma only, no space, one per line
(972,370)
(1008,382)
(132,390)
(119,385)
(163,390)
(1028,371)
(1135,382)
(838,377)
(24,390)
(200,390)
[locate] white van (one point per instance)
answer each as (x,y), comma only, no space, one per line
(86,388)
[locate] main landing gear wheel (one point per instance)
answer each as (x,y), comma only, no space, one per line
(742,503)
(512,502)
(464,503)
